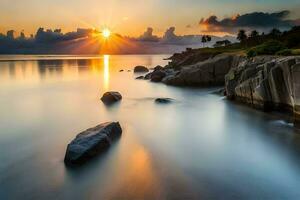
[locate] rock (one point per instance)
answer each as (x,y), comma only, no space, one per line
(157,75)
(221,92)
(111,97)
(163,100)
(141,69)
(128,70)
(158,67)
(140,77)
(296,90)
(265,82)
(121,70)
(210,72)
(92,142)
(148,76)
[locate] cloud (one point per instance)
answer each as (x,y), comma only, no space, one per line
(148,36)
(257,20)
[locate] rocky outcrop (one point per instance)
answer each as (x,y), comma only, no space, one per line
(109,98)
(91,142)
(163,100)
(210,72)
(296,90)
(140,69)
(266,82)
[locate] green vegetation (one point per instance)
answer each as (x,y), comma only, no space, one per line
(274,43)
(270,47)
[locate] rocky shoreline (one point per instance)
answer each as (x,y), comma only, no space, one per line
(264,82)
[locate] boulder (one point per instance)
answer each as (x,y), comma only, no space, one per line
(92,142)
(158,67)
(157,75)
(140,68)
(111,97)
(163,100)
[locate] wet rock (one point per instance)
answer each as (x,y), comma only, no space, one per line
(265,82)
(111,97)
(158,67)
(121,70)
(296,90)
(210,72)
(139,77)
(163,100)
(128,70)
(148,76)
(92,142)
(158,75)
(141,69)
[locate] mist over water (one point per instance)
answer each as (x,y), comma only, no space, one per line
(201,146)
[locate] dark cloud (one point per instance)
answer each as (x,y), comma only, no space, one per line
(258,20)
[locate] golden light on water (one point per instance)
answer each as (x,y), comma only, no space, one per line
(106,72)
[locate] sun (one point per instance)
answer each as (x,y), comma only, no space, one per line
(106,33)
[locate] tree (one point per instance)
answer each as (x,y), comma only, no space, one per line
(275,32)
(242,37)
(253,34)
(203,40)
(208,38)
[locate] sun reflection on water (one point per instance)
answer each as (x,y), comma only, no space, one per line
(106,72)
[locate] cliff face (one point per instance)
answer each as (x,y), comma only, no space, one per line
(210,72)
(267,82)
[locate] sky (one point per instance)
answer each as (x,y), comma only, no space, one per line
(131,17)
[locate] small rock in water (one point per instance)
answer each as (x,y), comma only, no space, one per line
(122,70)
(92,142)
(163,100)
(141,69)
(111,97)
(129,70)
(140,77)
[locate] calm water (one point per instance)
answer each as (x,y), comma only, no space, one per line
(199,147)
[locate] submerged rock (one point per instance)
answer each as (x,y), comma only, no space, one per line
(163,100)
(91,142)
(140,77)
(111,97)
(140,68)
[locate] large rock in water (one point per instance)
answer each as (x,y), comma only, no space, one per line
(141,69)
(91,142)
(111,97)
(210,72)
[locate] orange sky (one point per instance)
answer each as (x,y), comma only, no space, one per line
(127,17)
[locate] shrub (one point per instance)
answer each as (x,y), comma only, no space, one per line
(285,52)
(270,47)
